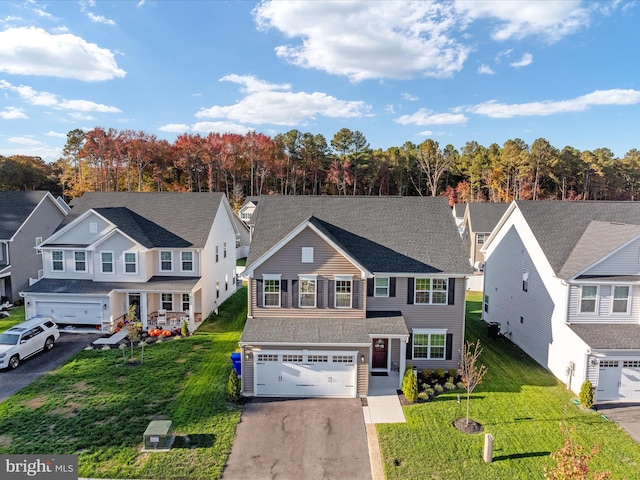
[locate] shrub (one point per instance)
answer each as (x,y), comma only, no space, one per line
(423,396)
(586,394)
(429,391)
(233,387)
(450,379)
(449,386)
(438,388)
(425,374)
(438,373)
(452,372)
(410,386)
(460,385)
(184,331)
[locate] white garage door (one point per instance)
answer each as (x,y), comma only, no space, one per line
(618,380)
(69,313)
(299,374)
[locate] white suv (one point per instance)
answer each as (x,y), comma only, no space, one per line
(26,339)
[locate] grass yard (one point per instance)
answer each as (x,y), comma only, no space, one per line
(520,404)
(97,407)
(16,315)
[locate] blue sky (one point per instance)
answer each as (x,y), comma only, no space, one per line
(453,71)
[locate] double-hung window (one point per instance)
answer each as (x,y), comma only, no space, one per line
(525,280)
(431,291)
(344,287)
(480,238)
(307,293)
(186,261)
(106,262)
(224,250)
(130,262)
(167,301)
(185,302)
(271,290)
(429,344)
(620,301)
(166,261)
(381,287)
(57,261)
(80,261)
(588,298)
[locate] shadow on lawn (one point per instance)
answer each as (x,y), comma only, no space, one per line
(194,440)
(515,456)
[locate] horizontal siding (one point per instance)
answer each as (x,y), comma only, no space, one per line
(624,262)
(603,308)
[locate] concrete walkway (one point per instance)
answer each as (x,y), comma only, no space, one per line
(383,405)
(113,339)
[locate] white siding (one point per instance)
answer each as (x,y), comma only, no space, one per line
(79,234)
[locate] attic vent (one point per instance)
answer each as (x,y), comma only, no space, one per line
(93,227)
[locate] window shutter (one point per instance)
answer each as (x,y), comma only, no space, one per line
(294,293)
(448,351)
(259,292)
(355,301)
(319,297)
(332,291)
(451,291)
(410,287)
(409,348)
(370,287)
(392,287)
(283,293)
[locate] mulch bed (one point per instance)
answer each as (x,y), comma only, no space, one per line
(471,427)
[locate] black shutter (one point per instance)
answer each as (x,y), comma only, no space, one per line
(259,293)
(370,287)
(294,293)
(451,291)
(392,287)
(331,292)
(410,287)
(449,347)
(319,299)
(355,301)
(283,293)
(410,347)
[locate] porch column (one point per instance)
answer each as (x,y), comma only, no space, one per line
(143,309)
(192,320)
(403,359)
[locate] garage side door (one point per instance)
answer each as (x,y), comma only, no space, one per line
(67,313)
(294,374)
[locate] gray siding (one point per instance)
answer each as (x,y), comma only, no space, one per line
(624,262)
(603,306)
(508,302)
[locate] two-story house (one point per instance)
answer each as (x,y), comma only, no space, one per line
(25,219)
(171,255)
(563,281)
(477,224)
(342,288)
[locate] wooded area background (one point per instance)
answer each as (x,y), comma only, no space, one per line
(296,163)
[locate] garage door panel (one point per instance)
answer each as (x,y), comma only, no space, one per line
(618,381)
(71,313)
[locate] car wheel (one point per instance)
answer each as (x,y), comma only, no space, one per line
(14,362)
(48,344)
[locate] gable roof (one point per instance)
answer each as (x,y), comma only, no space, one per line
(15,208)
(483,217)
(561,230)
(459,209)
(383,234)
(154,219)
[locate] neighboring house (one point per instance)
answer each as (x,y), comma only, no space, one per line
(458,210)
(172,253)
(248,207)
(479,221)
(341,288)
(563,281)
(243,241)
(25,219)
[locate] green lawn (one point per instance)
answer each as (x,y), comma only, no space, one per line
(16,316)
(241,262)
(97,407)
(520,404)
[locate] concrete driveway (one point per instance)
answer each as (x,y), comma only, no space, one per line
(66,347)
(300,439)
(627,415)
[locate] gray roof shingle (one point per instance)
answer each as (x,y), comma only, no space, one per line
(485,216)
(15,207)
(154,284)
(608,336)
(155,219)
(384,234)
(560,226)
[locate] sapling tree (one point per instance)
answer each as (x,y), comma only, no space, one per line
(471,374)
(132,326)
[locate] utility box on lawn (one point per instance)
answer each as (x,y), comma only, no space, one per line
(158,436)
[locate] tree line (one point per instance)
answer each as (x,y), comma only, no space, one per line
(297,163)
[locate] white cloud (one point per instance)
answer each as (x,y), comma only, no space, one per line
(26,141)
(548,20)
(51,133)
(100,19)
(33,51)
(220,127)
(427,117)
(426,133)
(368,40)
(494,109)
(390,109)
(47,99)
(12,113)
(527,59)
(275,104)
(409,97)
(486,70)
(81,116)
(174,128)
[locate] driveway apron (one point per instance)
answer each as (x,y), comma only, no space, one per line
(300,439)
(627,415)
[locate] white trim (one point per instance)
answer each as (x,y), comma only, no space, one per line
(73,225)
(160,269)
(597,300)
(162,301)
(431,290)
(108,235)
(306,255)
(602,259)
(270,277)
(113,262)
(375,287)
(629,298)
(63,261)
(193,263)
(342,278)
(38,249)
(86,264)
(428,331)
(371,349)
(125,263)
(308,278)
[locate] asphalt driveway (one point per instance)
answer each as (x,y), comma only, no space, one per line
(627,415)
(300,438)
(66,347)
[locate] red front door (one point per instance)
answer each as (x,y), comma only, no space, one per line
(380,348)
